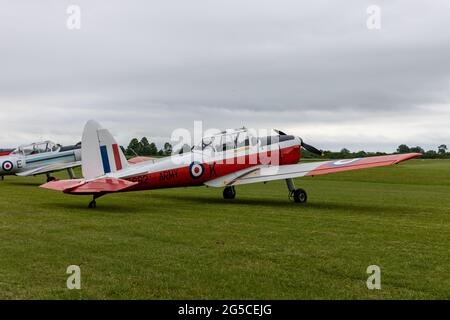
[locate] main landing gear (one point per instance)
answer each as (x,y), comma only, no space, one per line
(229,193)
(298,195)
(50,178)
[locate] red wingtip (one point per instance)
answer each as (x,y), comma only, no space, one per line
(408,156)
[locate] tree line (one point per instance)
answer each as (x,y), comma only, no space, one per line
(144,147)
(440,153)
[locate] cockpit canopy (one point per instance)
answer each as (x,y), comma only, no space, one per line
(36,148)
(228,140)
(238,139)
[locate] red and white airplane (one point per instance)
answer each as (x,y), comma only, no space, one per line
(225,160)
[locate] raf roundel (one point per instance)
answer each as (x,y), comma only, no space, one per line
(344,162)
(7,166)
(196,170)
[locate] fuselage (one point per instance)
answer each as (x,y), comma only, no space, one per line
(198,166)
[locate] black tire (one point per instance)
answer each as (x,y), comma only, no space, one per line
(300,196)
(229,193)
(50,179)
(92,204)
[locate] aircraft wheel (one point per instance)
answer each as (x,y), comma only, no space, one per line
(300,196)
(229,193)
(50,179)
(92,204)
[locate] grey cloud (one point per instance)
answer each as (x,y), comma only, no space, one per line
(148,67)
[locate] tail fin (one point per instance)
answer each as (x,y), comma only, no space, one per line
(100,153)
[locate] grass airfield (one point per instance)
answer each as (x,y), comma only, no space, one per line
(191,244)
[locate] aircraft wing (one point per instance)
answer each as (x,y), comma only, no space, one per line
(49,168)
(270,173)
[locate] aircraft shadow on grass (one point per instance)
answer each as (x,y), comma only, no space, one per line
(272,203)
(23,183)
(311,207)
(219,201)
(112,208)
(281,204)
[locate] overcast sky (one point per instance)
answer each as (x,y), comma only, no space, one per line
(145,68)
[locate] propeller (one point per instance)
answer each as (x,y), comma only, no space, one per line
(304,145)
(311,149)
(281,133)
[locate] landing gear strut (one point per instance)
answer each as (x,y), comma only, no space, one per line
(229,193)
(298,195)
(71,173)
(50,178)
(2,177)
(93,203)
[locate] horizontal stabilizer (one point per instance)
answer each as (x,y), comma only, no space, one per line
(62,185)
(77,186)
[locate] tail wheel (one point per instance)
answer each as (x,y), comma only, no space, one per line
(299,196)
(229,193)
(92,204)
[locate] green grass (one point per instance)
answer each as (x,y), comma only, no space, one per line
(191,244)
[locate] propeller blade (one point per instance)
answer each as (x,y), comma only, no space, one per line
(281,133)
(304,145)
(311,149)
